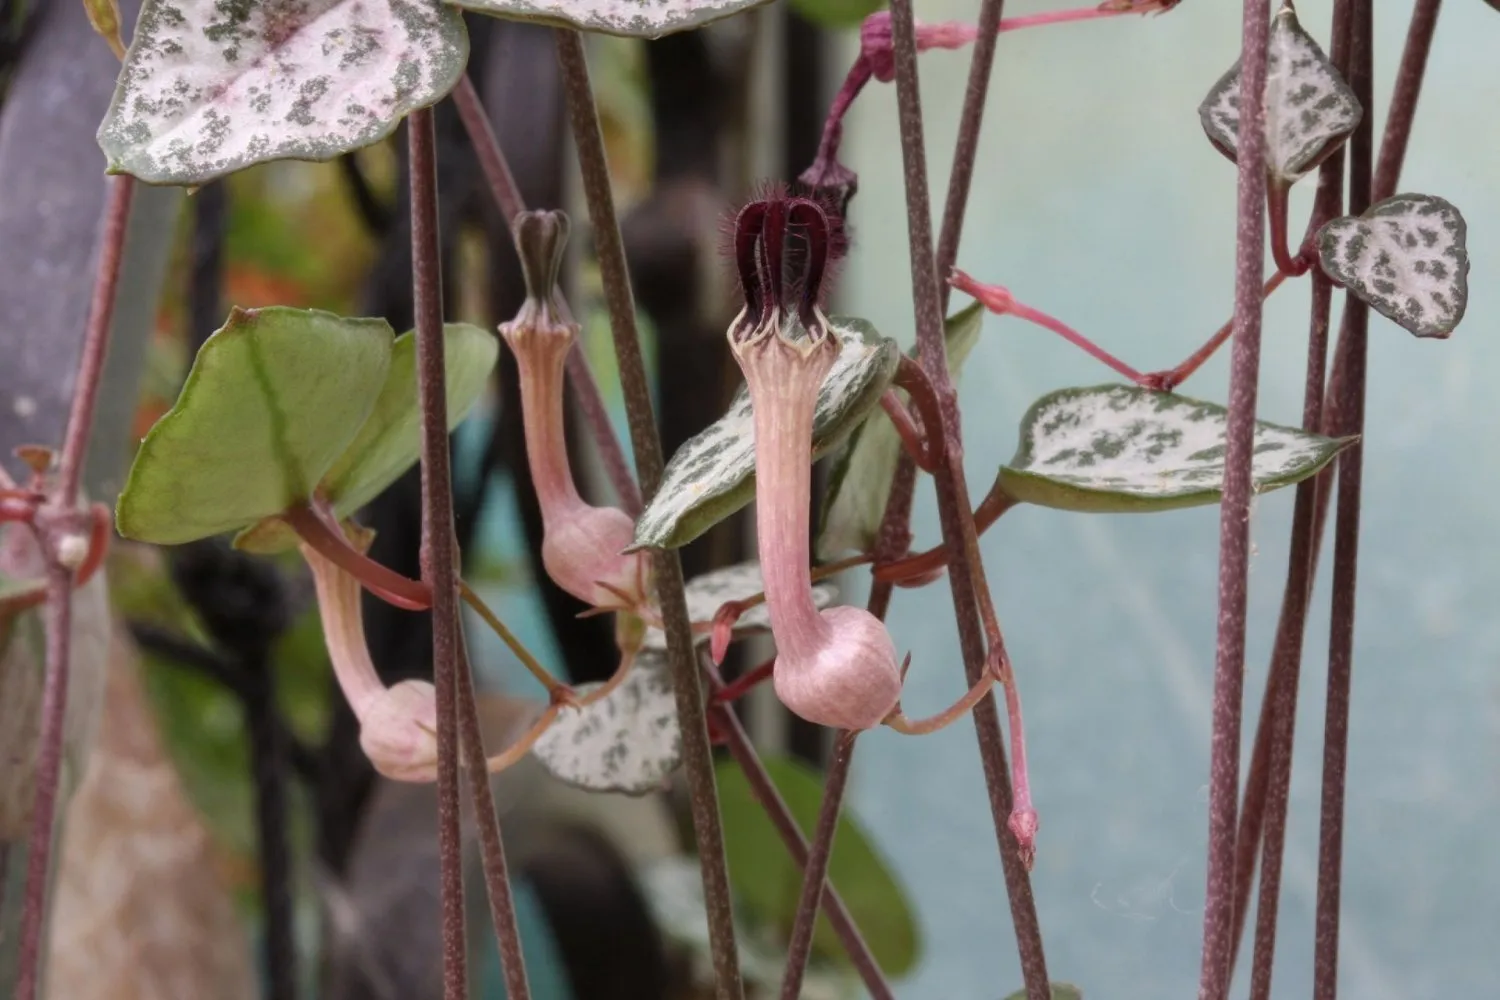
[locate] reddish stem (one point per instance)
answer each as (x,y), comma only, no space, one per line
(999,301)
(1170,379)
(742,685)
(916,443)
(903,572)
(1276,212)
(383,582)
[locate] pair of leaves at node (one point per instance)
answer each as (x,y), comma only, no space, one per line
(282,405)
(629,741)
(209,87)
(1406,256)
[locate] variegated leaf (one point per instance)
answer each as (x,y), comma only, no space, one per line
(212,86)
(1406,256)
(713,474)
(1309,107)
(636,18)
(1123,449)
(626,742)
(707,593)
(860,481)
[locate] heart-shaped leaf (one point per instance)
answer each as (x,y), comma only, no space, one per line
(628,741)
(713,474)
(707,593)
(1060,991)
(212,86)
(860,482)
(272,401)
(767,883)
(634,18)
(390,439)
(1123,449)
(1309,107)
(1407,258)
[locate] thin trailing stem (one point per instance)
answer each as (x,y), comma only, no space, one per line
(815,868)
(1173,377)
(957,520)
(507,196)
(1234,516)
(934,560)
(765,792)
(313,527)
(1346,539)
(491,847)
(439,555)
(1273,736)
(696,751)
(63,511)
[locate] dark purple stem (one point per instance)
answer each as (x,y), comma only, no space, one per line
(955,514)
(439,558)
(507,195)
(697,754)
(815,869)
(1234,517)
(1345,538)
(59,612)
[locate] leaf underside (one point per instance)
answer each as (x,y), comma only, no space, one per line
(212,86)
(713,474)
(707,593)
(627,742)
(632,18)
(860,481)
(1123,449)
(389,441)
(1407,258)
(272,400)
(1309,108)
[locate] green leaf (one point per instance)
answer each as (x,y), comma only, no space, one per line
(1309,107)
(1407,258)
(837,13)
(706,593)
(626,742)
(1123,449)
(767,883)
(272,401)
(860,482)
(633,18)
(713,474)
(212,86)
(1060,991)
(389,441)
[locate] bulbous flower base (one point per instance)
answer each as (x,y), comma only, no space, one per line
(852,681)
(584,550)
(399,731)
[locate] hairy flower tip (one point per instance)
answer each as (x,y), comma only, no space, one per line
(781,251)
(851,681)
(399,732)
(541,241)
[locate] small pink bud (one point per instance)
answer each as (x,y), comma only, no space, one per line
(582,546)
(838,667)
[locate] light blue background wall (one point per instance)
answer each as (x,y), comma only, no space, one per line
(1098,198)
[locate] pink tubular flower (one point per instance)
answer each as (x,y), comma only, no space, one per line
(582,545)
(397,725)
(837,667)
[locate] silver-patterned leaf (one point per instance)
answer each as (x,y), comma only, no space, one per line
(1123,449)
(707,593)
(1406,257)
(627,742)
(212,86)
(1309,107)
(860,482)
(635,18)
(713,474)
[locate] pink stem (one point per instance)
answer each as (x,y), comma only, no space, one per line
(385,583)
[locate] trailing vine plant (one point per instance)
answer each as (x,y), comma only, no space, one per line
(292,420)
